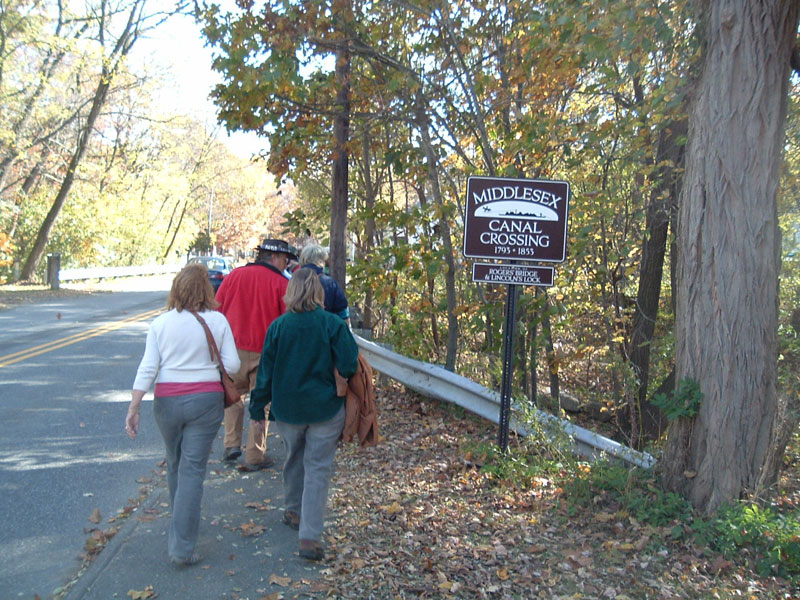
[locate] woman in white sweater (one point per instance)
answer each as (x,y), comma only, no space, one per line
(188,406)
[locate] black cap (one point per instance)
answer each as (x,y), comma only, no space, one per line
(269,245)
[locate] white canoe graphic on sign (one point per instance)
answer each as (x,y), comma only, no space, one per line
(516,210)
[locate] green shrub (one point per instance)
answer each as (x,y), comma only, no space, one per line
(635,489)
(516,467)
(770,539)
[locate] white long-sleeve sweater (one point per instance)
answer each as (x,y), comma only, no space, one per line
(176,350)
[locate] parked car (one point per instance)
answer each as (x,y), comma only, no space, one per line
(218,267)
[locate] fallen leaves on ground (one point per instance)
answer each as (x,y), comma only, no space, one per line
(414,518)
(146,594)
(278,580)
(251,529)
(97,540)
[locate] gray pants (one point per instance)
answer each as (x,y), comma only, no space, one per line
(310,450)
(188,425)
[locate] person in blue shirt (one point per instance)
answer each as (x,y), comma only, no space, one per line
(314,256)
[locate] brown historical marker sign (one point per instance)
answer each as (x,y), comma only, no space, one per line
(522,219)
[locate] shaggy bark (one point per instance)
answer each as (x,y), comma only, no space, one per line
(728,263)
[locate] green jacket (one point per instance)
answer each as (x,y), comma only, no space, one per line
(296,369)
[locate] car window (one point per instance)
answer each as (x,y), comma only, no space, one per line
(213,264)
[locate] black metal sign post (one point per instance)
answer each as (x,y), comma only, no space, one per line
(514,219)
(508,367)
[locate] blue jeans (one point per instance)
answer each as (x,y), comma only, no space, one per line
(188,425)
(310,450)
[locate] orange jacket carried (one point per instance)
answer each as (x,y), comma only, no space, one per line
(361,416)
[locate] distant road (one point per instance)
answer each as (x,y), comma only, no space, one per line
(66,369)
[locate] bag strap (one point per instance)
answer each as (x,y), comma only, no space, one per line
(212,345)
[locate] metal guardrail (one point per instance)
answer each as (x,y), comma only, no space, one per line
(109,272)
(436,382)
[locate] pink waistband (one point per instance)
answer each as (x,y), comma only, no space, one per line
(181,389)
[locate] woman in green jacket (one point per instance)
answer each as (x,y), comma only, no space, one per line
(296,377)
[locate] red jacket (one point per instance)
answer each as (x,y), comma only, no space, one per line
(251,297)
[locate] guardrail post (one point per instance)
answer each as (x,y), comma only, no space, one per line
(53,267)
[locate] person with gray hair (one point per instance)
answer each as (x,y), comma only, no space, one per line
(314,256)
(296,379)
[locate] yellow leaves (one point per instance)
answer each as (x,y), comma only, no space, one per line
(625,547)
(502,574)
(393,508)
(142,595)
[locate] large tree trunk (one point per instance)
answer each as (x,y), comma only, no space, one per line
(341,135)
(727,305)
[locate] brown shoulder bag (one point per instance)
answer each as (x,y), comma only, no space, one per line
(232,395)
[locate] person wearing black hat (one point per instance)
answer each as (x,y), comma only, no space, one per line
(251,297)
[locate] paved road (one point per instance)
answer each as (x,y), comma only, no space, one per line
(66,368)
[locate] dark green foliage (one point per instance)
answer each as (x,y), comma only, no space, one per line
(684,402)
(768,539)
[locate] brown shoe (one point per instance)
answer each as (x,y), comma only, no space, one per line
(292,519)
(311,550)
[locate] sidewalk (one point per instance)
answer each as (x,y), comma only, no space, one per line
(248,551)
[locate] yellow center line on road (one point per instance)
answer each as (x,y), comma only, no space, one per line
(10,359)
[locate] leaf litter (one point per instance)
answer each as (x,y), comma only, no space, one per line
(416,517)
(413,517)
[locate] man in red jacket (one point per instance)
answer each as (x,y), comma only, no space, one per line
(251,297)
